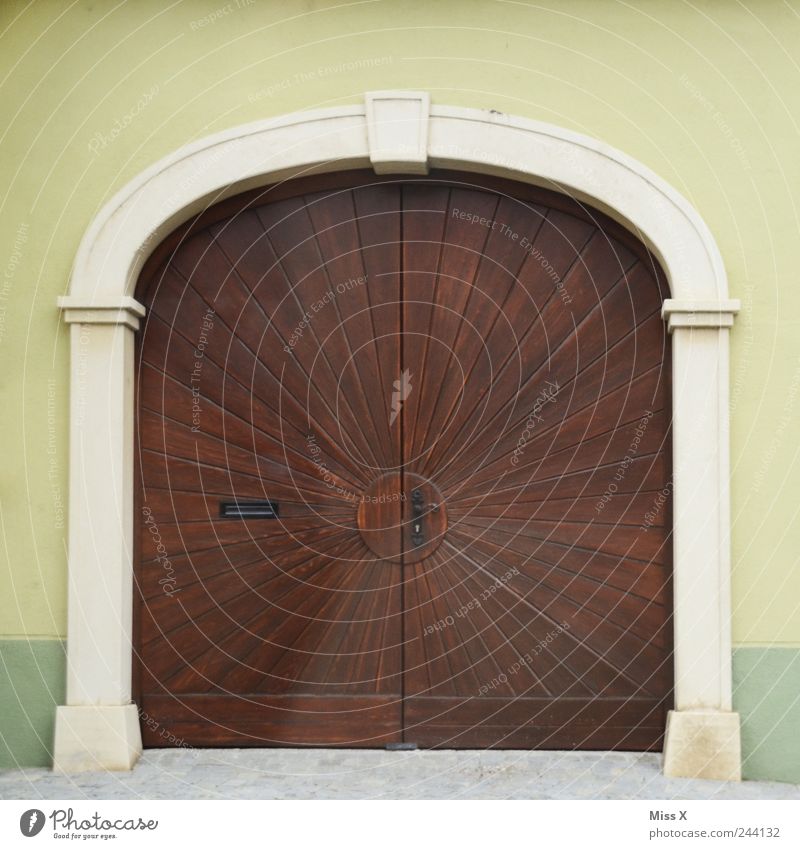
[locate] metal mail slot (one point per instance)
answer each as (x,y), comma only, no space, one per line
(248,509)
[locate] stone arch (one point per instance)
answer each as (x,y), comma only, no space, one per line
(392,132)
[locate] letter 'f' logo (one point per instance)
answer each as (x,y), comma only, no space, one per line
(31,822)
(402,389)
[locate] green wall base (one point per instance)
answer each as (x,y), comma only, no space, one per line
(766,693)
(32,683)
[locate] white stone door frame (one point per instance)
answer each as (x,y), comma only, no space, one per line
(400,133)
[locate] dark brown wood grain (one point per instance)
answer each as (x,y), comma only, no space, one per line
(498,347)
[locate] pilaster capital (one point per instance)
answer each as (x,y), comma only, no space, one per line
(699,314)
(102,310)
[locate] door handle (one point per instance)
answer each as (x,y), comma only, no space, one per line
(417,511)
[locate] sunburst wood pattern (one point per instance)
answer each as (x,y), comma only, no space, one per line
(503,343)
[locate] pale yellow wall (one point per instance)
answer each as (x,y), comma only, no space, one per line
(707,94)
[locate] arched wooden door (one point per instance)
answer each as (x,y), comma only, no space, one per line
(402,445)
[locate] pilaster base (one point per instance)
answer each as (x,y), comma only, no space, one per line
(94,737)
(703,744)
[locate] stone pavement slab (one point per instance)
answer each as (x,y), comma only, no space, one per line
(371,774)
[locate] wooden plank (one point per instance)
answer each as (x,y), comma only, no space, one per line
(258,720)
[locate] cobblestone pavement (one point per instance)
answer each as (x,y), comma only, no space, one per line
(352,774)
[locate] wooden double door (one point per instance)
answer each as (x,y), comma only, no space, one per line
(403,455)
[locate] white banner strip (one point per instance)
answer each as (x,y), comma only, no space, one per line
(402,825)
